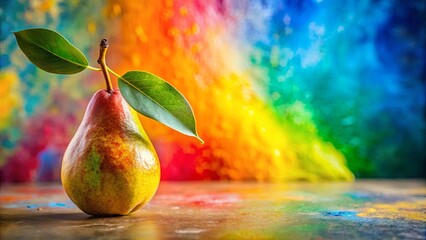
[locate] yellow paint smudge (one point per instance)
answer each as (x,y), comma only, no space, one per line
(11,99)
(116,9)
(141,34)
(183,11)
(91,27)
(400,210)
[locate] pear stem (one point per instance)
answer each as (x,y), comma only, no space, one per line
(102,62)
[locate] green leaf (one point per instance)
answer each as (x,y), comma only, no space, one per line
(50,51)
(155,98)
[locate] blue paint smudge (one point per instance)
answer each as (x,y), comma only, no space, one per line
(57,205)
(375,197)
(420,195)
(359,195)
(345,214)
(52,205)
(35,206)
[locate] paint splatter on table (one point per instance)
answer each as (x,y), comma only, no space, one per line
(228,210)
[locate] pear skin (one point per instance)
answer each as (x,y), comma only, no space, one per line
(110,166)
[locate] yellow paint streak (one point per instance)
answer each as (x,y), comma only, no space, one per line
(400,210)
(10,97)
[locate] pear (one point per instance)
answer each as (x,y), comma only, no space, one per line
(110,166)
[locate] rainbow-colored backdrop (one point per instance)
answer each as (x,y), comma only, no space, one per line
(282,90)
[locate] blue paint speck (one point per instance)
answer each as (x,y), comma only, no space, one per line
(347,214)
(358,195)
(33,206)
(57,205)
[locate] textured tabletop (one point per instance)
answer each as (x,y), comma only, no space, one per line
(228,210)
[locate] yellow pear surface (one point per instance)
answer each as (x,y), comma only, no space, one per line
(110,166)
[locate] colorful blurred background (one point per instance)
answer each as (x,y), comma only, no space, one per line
(281,90)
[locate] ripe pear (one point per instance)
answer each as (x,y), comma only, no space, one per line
(110,166)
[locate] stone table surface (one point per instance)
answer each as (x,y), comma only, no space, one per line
(365,209)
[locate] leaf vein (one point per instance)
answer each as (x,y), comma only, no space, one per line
(160,105)
(53,53)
